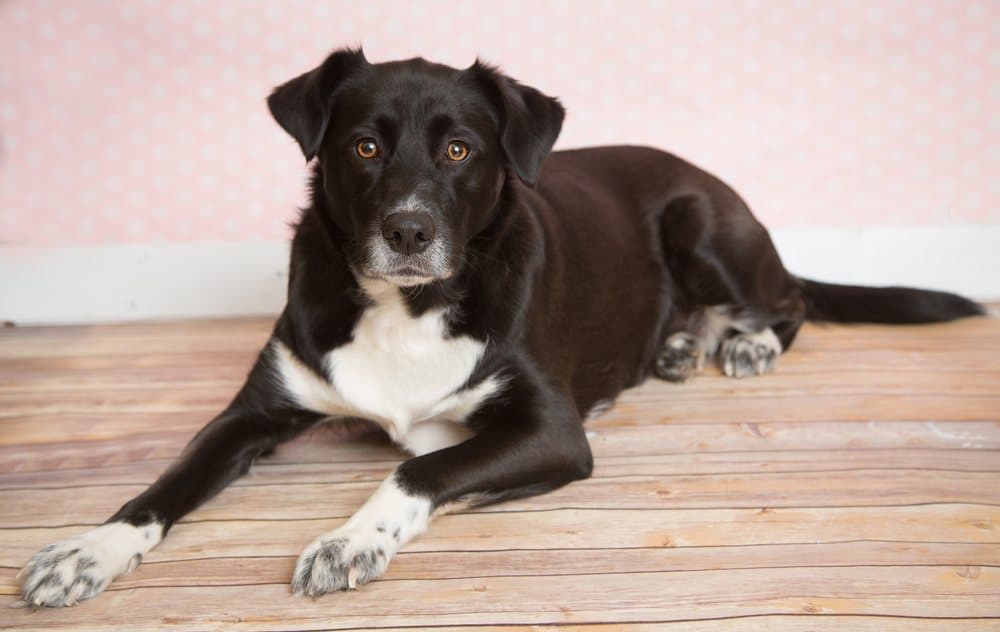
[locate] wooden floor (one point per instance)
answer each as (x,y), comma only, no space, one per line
(858,488)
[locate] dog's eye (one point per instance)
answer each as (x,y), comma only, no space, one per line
(367,148)
(457,151)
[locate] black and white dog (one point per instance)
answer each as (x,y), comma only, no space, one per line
(477,298)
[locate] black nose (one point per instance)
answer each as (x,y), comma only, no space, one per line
(409,233)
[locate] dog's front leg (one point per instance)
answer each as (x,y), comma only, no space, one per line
(529,441)
(79,568)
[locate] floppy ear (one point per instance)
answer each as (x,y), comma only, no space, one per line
(302,106)
(529,120)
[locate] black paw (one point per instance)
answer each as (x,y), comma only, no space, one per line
(680,358)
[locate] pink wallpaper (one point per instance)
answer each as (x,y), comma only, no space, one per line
(137,121)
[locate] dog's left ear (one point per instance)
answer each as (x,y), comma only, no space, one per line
(529,120)
(303,105)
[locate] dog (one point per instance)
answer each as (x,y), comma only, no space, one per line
(477,297)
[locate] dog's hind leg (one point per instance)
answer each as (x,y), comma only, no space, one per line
(744,308)
(685,352)
(743,342)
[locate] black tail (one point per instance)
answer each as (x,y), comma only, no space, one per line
(890,305)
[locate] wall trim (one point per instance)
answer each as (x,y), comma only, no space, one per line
(128,282)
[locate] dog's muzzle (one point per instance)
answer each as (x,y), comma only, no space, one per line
(406,248)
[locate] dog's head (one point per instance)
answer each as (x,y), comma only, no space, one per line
(413,156)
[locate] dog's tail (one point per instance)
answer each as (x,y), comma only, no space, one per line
(889,305)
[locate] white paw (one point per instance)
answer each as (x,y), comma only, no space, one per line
(79,568)
(343,560)
(681,357)
(359,551)
(744,355)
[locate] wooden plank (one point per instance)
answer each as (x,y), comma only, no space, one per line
(758,623)
(850,397)
(113,439)
(745,623)
(268,471)
(310,501)
(817,437)
(228,571)
(191,337)
(920,591)
(570,529)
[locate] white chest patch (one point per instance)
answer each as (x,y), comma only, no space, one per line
(397,370)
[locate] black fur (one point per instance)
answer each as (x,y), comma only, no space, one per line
(575,266)
(890,305)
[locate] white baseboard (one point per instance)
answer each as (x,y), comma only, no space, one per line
(963,259)
(112,283)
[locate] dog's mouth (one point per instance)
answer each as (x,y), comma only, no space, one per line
(406,276)
(409,276)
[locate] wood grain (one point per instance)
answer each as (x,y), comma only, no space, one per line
(858,488)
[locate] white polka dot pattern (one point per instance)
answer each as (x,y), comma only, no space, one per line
(145,121)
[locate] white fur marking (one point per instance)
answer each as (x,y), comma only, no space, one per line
(433,435)
(360,550)
(716,322)
(765,338)
(397,370)
(750,353)
(304,386)
(81,567)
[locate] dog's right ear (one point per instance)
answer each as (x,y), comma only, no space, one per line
(302,106)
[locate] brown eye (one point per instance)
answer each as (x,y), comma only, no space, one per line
(457,151)
(367,148)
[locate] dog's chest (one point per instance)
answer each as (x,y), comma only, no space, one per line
(397,370)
